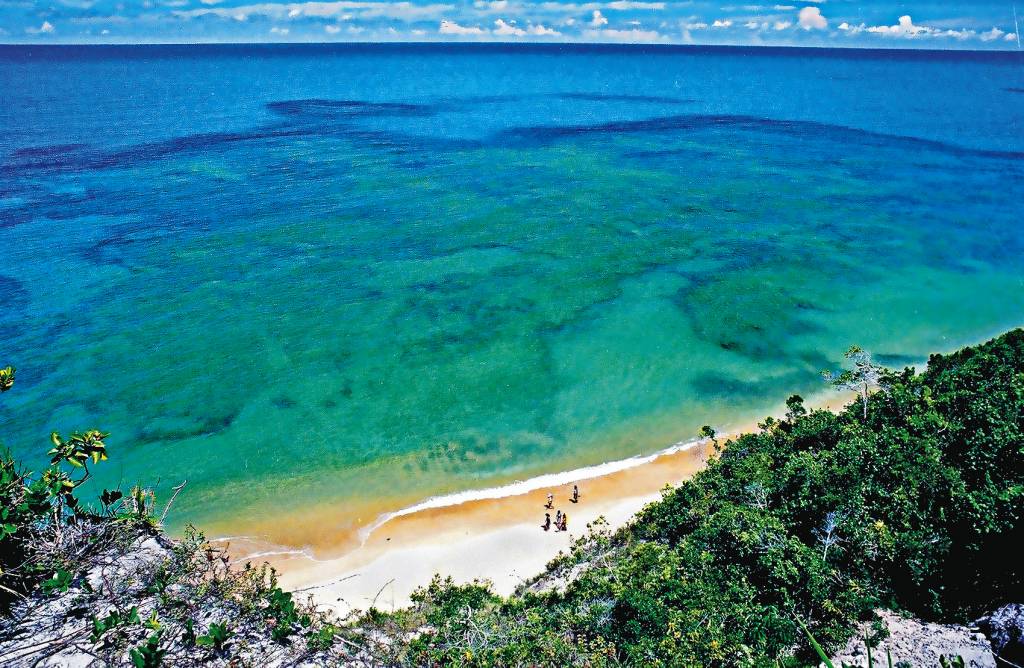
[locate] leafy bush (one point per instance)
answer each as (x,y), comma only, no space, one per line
(50,542)
(40,515)
(910,498)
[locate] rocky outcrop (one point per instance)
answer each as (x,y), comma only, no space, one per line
(916,643)
(1005,631)
(143,588)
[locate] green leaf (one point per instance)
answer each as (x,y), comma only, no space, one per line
(816,646)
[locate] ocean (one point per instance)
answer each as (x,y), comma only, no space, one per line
(356,277)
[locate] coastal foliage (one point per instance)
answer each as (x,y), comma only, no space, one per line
(135,598)
(912,498)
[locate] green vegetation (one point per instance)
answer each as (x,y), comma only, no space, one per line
(146,594)
(912,498)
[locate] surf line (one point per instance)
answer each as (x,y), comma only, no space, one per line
(525,486)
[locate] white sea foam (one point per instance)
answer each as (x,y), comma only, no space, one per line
(518,487)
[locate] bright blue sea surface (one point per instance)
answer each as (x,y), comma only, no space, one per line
(352,277)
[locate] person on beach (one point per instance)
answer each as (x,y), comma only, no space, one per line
(575,494)
(558,520)
(564,526)
(551,501)
(547,522)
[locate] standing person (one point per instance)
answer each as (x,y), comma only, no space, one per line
(551,501)
(565,522)
(547,522)
(575,494)
(558,520)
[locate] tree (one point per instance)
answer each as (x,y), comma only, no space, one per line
(795,408)
(864,375)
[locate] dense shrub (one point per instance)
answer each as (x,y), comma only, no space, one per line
(911,498)
(819,518)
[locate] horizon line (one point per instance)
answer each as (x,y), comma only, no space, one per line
(485,43)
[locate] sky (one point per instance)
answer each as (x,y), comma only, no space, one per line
(936,24)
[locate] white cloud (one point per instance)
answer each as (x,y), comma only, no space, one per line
(991,35)
(495,6)
(44,29)
(634,35)
(540,30)
(332,29)
(700,25)
(403,11)
(1010,37)
(452,28)
(905,27)
(623,5)
(721,23)
(507,29)
(597,19)
(810,18)
(279,31)
(782,25)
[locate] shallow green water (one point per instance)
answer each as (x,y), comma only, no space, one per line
(336,315)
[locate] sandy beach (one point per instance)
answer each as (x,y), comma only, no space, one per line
(498,539)
(493,534)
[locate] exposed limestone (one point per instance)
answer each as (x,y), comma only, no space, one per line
(916,643)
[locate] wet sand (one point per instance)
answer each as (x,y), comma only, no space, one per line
(498,539)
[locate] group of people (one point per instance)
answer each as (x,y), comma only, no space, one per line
(561,519)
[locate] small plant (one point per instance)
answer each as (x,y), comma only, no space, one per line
(109,497)
(6,528)
(323,639)
(115,619)
(148,654)
(6,378)
(188,634)
(59,582)
(79,448)
(216,637)
(282,612)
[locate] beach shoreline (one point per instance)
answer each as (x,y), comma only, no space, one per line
(498,539)
(491,534)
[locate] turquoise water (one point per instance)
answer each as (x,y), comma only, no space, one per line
(361,276)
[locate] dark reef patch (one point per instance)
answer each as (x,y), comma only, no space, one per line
(611,97)
(51,151)
(546,134)
(203,427)
(349,108)
(12,293)
(283,402)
